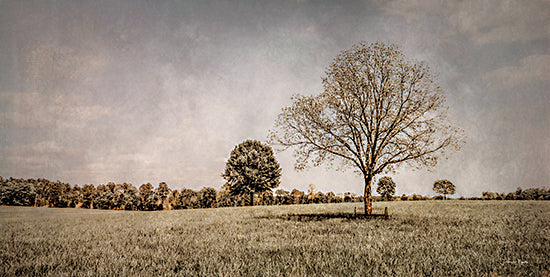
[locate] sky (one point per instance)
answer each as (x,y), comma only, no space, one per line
(153,91)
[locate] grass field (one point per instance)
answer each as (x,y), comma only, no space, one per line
(427,238)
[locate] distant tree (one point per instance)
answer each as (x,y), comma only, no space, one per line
(386,187)
(75,197)
(111,186)
(173,199)
(348,197)
(266,198)
(444,187)
(488,195)
(189,199)
(151,202)
(207,198)
(40,187)
(163,191)
(377,111)
(131,198)
(333,198)
(311,194)
(283,197)
(251,168)
(17,193)
(533,194)
(149,198)
(518,194)
(298,196)
(105,200)
(57,194)
(225,199)
(321,198)
(88,195)
(145,189)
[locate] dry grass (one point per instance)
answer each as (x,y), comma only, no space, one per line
(431,238)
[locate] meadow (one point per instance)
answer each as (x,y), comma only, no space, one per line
(421,238)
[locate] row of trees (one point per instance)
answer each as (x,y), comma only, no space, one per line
(42,192)
(519,194)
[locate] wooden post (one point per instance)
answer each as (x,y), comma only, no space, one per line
(355,212)
(386,214)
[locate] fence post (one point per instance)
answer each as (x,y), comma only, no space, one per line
(355,212)
(386,214)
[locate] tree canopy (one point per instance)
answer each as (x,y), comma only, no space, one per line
(444,187)
(251,168)
(377,111)
(386,187)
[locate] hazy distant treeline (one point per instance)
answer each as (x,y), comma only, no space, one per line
(42,192)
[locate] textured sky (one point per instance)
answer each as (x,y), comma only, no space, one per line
(152,91)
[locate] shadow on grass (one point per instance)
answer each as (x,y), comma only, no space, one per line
(321,217)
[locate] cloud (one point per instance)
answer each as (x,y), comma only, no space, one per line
(486,22)
(40,110)
(534,68)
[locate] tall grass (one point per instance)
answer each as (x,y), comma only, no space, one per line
(431,238)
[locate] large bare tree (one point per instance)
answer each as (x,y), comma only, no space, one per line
(377,111)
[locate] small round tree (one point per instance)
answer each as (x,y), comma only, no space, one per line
(386,187)
(444,187)
(251,168)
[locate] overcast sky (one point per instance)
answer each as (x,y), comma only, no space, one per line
(152,91)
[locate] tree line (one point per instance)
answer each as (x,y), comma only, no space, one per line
(46,193)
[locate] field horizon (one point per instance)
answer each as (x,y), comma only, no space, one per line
(428,238)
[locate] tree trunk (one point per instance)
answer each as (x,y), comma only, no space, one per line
(368,196)
(251,199)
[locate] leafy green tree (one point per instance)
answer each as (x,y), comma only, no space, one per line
(251,168)
(378,111)
(386,187)
(444,187)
